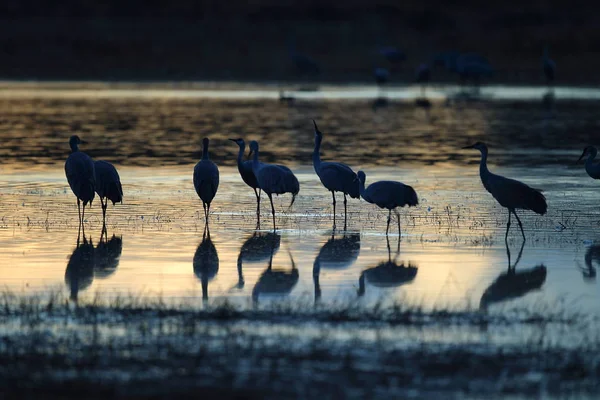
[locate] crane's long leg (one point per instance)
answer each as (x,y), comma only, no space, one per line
(316,273)
(520,225)
(104,205)
(205,214)
(398,218)
(388,222)
(507,227)
(345,212)
(272,209)
(82,219)
(79,210)
(333,195)
(257,193)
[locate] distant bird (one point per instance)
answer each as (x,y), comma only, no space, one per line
(206,179)
(107,255)
(423,76)
(473,67)
(447,60)
(381,75)
(258,247)
(108,185)
(387,273)
(510,193)
(245,169)
(549,67)
(512,284)
(593,170)
(79,169)
(206,262)
(305,66)
(80,268)
(388,194)
(335,176)
(392,54)
(276,281)
(335,254)
(273,179)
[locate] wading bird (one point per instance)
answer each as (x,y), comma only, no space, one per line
(388,194)
(245,169)
(423,76)
(306,67)
(336,177)
(79,169)
(393,55)
(593,170)
(473,67)
(273,179)
(108,185)
(382,76)
(206,179)
(510,193)
(549,67)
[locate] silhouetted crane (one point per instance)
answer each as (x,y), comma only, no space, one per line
(549,67)
(510,193)
(79,169)
(273,179)
(245,169)
(336,177)
(593,170)
(206,179)
(423,76)
(473,67)
(108,185)
(389,195)
(393,55)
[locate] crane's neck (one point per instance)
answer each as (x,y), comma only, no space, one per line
(240,156)
(592,169)
(255,164)
(484,172)
(205,150)
(74,147)
(316,156)
(362,190)
(590,160)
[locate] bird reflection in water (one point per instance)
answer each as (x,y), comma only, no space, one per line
(337,253)
(80,268)
(387,273)
(259,247)
(589,272)
(206,262)
(513,284)
(276,281)
(107,255)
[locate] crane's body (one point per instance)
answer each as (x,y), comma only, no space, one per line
(423,76)
(247,174)
(388,195)
(273,179)
(206,179)
(336,177)
(381,75)
(592,169)
(549,67)
(108,185)
(392,54)
(509,193)
(79,169)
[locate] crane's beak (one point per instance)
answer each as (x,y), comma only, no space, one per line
(469,147)
(233,140)
(83,142)
(582,154)
(315,124)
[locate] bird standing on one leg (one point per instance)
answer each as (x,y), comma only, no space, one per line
(79,169)
(273,179)
(336,177)
(388,194)
(245,169)
(108,186)
(206,179)
(510,193)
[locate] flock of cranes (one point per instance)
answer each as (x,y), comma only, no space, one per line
(86,178)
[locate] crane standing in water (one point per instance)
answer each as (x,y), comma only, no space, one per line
(108,185)
(593,170)
(245,169)
(510,193)
(336,177)
(206,179)
(273,179)
(79,169)
(388,194)
(549,67)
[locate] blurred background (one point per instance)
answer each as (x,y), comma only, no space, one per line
(262,39)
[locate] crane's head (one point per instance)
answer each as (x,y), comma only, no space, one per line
(361,176)
(239,141)
(477,145)
(589,150)
(317,131)
(74,142)
(253,146)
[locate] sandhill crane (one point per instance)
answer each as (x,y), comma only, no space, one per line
(79,169)
(393,55)
(206,262)
(258,247)
(549,67)
(206,179)
(245,169)
(335,176)
(387,273)
(473,67)
(273,179)
(108,185)
(509,193)
(513,284)
(593,170)
(423,76)
(80,268)
(388,194)
(276,281)
(336,254)
(107,255)
(382,76)
(305,66)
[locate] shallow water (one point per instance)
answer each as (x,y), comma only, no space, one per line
(452,249)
